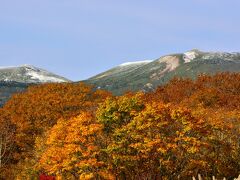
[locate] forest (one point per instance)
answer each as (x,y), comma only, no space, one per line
(71,131)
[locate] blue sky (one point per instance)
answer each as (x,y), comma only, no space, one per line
(80,38)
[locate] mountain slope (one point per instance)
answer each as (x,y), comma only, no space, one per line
(148,75)
(7,89)
(121,69)
(29,74)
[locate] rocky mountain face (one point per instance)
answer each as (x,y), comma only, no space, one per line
(17,79)
(147,75)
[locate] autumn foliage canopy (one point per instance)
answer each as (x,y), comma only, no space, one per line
(71,131)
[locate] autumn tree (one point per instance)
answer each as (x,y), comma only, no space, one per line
(73,149)
(220,90)
(38,109)
(223,153)
(7,130)
(151,142)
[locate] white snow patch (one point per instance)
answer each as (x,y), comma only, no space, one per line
(189,56)
(6,80)
(136,62)
(43,78)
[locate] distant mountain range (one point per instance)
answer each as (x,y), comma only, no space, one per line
(131,76)
(147,75)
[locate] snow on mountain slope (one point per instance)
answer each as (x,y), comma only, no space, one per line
(190,55)
(122,69)
(135,63)
(29,74)
(147,75)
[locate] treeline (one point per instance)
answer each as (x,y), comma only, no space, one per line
(70,131)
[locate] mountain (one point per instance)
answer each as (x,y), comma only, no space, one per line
(131,76)
(7,89)
(17,79)
(29,74)
(147,75)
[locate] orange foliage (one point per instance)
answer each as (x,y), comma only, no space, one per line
(35,111)
(183,128)
(73,148)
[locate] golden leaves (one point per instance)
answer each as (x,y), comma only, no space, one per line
(73,147)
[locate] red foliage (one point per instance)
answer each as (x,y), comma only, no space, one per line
(46,177)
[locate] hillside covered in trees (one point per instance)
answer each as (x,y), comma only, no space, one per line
(71,131)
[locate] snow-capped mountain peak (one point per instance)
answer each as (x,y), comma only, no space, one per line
(28,74)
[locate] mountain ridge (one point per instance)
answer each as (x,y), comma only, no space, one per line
(147,76)
(143,75)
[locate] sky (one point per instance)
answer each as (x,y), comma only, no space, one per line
(81,38)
